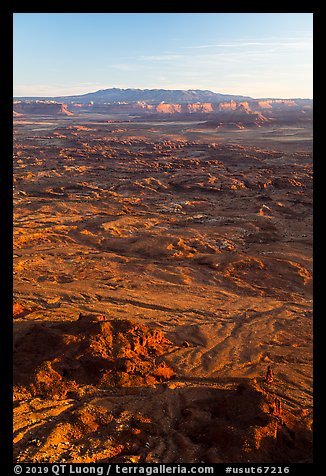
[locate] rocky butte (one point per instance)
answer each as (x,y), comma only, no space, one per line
(44,108)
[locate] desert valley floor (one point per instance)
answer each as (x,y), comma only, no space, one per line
(159,269)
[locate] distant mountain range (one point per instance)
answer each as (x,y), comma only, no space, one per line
(150,96)
(217,109)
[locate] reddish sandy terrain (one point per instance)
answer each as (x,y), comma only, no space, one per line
(159,270)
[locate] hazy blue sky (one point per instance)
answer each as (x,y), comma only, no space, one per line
(255,54)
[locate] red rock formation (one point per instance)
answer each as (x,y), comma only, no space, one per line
(227,106)
(200,107)
(168,108)
(269,375)
(264,104)
(59,358)
(41,108)
(244,106)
